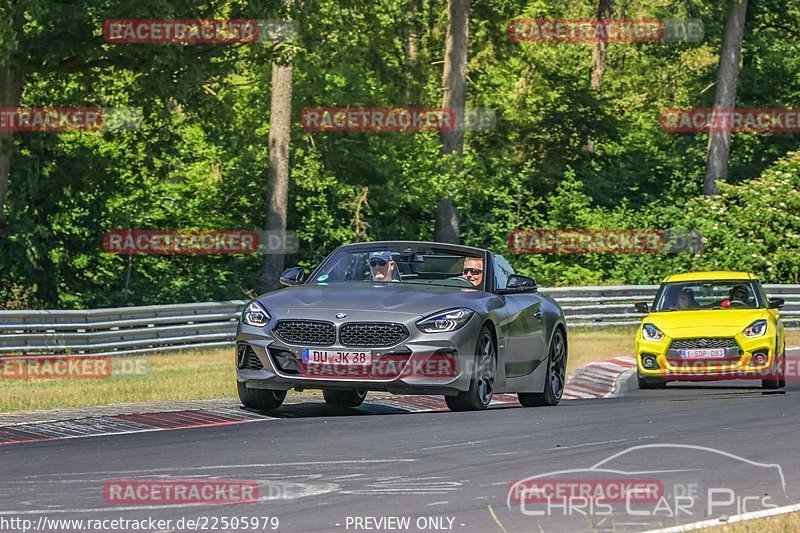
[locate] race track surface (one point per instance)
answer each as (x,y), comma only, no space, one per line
(320,469)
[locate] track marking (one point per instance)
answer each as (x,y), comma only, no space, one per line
(766,513)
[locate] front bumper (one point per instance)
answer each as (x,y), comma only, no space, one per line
(739,361)
(422,364)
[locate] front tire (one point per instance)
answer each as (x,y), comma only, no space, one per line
(777,381)
(650,383)
(344,398)
(556,376)
(481,386)
(263,399)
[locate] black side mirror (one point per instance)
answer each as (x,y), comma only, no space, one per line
(775,303)
(519,284)
(292,276)
(641,307)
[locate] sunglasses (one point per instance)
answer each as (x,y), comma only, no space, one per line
(377,263)
(473,271)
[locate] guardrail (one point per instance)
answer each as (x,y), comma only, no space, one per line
(133,330)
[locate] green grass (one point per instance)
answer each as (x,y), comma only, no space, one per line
(202,375)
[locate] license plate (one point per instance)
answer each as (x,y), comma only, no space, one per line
(332,357)
(703,353)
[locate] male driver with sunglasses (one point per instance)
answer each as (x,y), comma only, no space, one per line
(473,270)
(382,267)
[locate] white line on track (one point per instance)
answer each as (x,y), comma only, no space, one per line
(219,467)
(730,520)
(588,444)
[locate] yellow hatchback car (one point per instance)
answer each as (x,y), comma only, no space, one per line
(711,326)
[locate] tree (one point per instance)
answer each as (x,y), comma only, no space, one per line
(725,100)
(448,219)
(10,92)
(280,126)
(600,46)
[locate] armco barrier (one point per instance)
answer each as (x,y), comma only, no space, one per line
(132,330)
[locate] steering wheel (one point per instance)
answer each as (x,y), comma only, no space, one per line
(459,281)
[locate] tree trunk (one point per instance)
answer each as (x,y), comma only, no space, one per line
(448,219)
(412,50)
(9,97)
(719,142)
(278,181)
(600,47)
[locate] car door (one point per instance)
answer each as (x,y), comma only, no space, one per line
(526,329)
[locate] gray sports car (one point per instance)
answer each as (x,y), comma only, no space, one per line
(404,318)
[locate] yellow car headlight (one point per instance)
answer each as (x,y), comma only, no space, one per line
(756,329)
(652,333)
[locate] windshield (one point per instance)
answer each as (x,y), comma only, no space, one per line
(698,295)
(426,265)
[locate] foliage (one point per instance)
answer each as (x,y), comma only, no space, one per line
(561,155)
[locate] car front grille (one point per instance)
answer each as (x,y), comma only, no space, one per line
(703,342)
(247,358)
(305,332)
(372,334)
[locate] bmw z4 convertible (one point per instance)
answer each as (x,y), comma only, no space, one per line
(403,318)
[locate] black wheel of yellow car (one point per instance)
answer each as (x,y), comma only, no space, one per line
(263,399)
(777,381)
(344,398)
(651,383)
(556,376)
(481,387)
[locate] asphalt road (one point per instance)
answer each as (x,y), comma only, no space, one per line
(322,470)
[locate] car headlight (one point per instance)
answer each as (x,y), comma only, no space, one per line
(255,315)
(652,333)
(756,329)
(444,321)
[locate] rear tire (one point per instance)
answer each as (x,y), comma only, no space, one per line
(481,386)
(651,383)
(263,399)
(344,398)
(556,376)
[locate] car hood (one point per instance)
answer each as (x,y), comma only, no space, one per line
(705,323)
(404,298)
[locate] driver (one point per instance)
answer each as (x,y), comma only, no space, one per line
(739,294)
(381,266)
(473,270)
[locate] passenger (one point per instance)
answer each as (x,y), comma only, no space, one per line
(473,270)
(686,300)
(382,267)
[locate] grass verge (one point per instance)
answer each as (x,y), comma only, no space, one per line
(786,522)
(200,375)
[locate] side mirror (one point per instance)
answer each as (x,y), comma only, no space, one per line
(641,307)
(775,303)
(292,276)
(519,284)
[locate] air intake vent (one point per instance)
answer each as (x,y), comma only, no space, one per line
(372,335)
(305,332)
